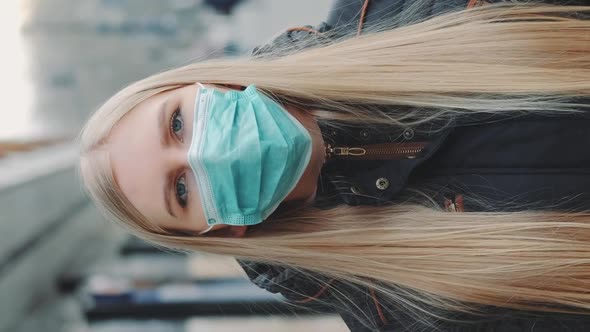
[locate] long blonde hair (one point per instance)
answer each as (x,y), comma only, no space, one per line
(504,57)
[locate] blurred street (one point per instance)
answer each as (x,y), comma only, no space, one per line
(62,267)
(63,58)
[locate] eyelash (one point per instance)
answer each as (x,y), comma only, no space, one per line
(177,116)
(181,198)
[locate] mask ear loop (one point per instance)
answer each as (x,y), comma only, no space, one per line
(207,230)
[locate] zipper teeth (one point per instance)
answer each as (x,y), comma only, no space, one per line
(386,151)
(368,151)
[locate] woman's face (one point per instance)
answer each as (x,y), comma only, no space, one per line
(148,152)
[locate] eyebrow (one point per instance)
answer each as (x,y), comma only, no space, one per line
(162,123)
(164,142)
(167,198)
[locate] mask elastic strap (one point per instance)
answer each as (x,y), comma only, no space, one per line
(205,231)
(201,86)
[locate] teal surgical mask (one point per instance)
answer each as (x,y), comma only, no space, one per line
(247,154)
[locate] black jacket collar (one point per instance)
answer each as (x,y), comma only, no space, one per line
(372,182)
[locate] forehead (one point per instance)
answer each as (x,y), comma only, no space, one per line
(135,155)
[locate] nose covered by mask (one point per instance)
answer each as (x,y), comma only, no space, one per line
(247,154)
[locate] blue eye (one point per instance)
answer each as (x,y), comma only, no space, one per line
(181,191)
(177,124)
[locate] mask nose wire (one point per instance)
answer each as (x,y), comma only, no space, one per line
(201,86)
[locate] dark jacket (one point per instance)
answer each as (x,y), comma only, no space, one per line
(536,161)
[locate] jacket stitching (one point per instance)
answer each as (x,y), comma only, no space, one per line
(378,306)
(318,294)
(363,16)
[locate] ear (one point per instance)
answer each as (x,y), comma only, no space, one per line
(228,231)
(237,231)
(235,86)
(232,86)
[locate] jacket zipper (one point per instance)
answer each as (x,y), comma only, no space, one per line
(383,151)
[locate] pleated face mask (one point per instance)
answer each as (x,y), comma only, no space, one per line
(247,154)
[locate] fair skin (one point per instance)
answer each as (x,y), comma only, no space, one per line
(148,153)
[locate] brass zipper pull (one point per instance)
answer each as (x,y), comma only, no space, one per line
(347,151)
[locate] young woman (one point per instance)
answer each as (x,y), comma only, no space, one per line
(331,164)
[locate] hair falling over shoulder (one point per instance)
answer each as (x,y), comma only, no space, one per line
(506,57)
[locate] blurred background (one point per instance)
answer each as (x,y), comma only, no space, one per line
(62,267)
